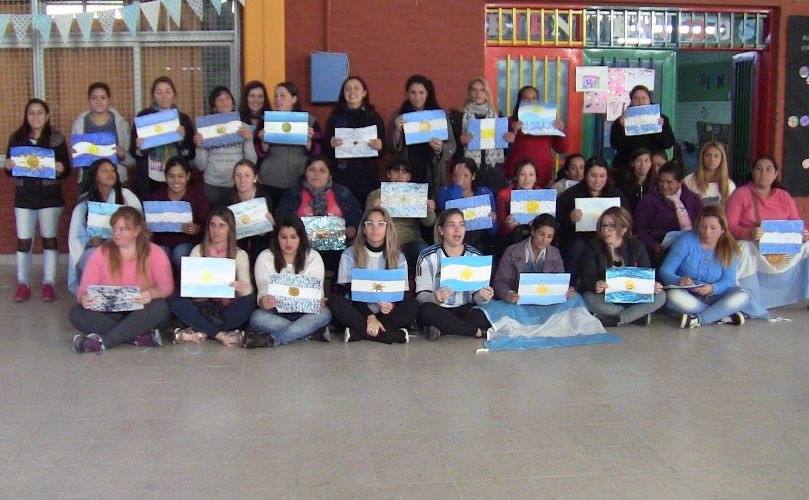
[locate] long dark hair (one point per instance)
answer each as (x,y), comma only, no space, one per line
(226,215)
(90,186)
(430,103)
(470,165)
(244,110)
(519,99)
(295,223)
(23,132)
(651,177)
(776,184)
(592,162)
(216,92)
(293,91)
(342,105)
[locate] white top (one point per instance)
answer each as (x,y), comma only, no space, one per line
(265,267)
(712,196)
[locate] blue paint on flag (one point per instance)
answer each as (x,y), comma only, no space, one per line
(477,267)
(84,159)
(780,227)
(474,204)
(537,282)
(171,214)
(537,119)
(432,125)
(104,209)
(168,136)
(219,119)
(40,171)
(642,120)
(285,122)
(369,285)
(626,296)
(500,128)
(529,195)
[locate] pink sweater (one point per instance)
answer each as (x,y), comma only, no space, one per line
(97,272)
(779,205)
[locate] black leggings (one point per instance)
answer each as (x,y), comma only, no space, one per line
(354,315)
(462,320)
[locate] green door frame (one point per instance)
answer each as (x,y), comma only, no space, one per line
(666,95)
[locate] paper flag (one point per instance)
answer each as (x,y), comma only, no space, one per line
(251,217)
(43,24)
(476,211)
(220,129)
(355,142)
(159,128)
(174,8)
(488,133)
(423,126)
(326,232)
(296,293)
(467,273)
(87,148)
(98,218)
(217,5)
(107,20)
(196,6)
(537,119)
(131,15)
(378,285)
(207,277)
(630,285)
(85,22)
(543,288)
(64,23)
(167,216)
(20,22)
(4,19)
(32,161)
(526,204)
(286,127)
(781,237)
(404,199)
(642,120)
(591,210)
(151,10)
(108,298)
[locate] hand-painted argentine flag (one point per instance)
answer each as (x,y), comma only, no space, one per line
(476,211)
(543,288)
(467,273)
(488,133)
(378,285)
(630,285)
(32,161)
(167,216)
(286,127)
(251,217)
(296,293)
(220,129)
(537,119)
(781,237)
(157,129)
(526,204)
(642,120)
(88,148)
(98,218)
(424,126)
(207,277)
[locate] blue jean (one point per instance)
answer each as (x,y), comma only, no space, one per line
(26,220)
(177,253)
(708,309)
(288,327)
(233,316)
(626,313)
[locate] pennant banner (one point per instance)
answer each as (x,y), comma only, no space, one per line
(107,20)
(151,10)
(85,22)
(174,8)
(217,5)
(131,16)
(20,22)
(4,19)
(196,6)
(63,25)
(43,24)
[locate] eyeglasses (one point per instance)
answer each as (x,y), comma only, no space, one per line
(608,226)
(371,223)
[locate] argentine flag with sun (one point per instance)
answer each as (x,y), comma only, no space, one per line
(286,127)
(158,129)
(378,285)
(526,204)
(466,274)
(543,288)
(207,277)
(424,126)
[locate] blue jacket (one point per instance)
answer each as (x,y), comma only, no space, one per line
(454,192)
(352,213)
(687,258)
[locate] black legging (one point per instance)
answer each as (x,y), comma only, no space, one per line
(461,320)
(354,315)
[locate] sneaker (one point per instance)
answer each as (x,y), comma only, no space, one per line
(688,321)
(347,335)
(737,319)
(23,293)
(149,339)
(88,343)
(431,333)
(645,320)
(48,293)
(323,335)
(251,340)
(403,337)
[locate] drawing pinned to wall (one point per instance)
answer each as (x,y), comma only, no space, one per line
(595,102)
(592,78)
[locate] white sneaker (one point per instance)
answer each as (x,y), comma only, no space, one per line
(346,335)
(406,335)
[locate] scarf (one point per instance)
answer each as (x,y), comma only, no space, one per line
(319,203)
(472,110)
(682,214)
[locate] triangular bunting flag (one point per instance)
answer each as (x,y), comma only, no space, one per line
(196,6)
(85,22)
(20,22)
(4,19)
(242,2)
(107,20)
(64,23)
(174,8)
(217,5)
(152,12)
(43,24)
(131,16)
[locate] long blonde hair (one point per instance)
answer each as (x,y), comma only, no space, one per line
(226,215)
(486,88)
(391,251)
(726,247)
(142,248)
(722,171)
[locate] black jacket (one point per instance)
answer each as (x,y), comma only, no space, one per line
(596,259)
(567,202)
(32,193)
(359,175)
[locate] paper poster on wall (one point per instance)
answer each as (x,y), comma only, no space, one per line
(615,106)
(592,79)
(595,102)
(638,76)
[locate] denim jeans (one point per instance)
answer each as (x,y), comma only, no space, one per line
(708,309)
(48,228)
(177,253)
(288,327)
(626,313)
(233,317)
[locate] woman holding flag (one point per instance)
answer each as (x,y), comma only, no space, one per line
(444,311)
(376,247)
(465,184)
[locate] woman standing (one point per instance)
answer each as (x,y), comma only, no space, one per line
(706,257)
(289,253)
(38,200)
(101,117)
(354,110)
(624,145)
(376,247)
(128,259)
(711,182)
(150,163)
(428,160)
(255,101)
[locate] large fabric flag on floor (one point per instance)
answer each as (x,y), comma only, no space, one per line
(467,273)
(520,327)
(772,280)
(378,285)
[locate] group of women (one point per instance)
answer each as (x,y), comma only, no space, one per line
(699,268)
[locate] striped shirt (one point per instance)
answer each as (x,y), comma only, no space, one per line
(428,276)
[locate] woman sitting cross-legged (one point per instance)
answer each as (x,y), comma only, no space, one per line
(218,319)
(614,246)
(706,257)
(128,259)
(376,247)
(289,253)
(442,310)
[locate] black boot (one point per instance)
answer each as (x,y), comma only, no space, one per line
(253,340)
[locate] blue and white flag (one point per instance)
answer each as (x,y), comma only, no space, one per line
(207,277)
(404,199)
(98,218)
(296,293)
(158,129)
(591,210)
(526,204)
(378,285)
(630,285)
(521,327)
(108,298)
(167,216)
(642,120)
(537,119)
(326,232)
(220,129)
(487,133)
(356,142)
(424,126)
(781,237)
(88,148)
(286,127)
(32,161)
(543,288)
(476,211)
(467,273)
(251,217)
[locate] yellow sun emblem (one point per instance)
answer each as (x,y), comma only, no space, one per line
(532,207)
(469,214)
(158,128)
(206,277)
(630,285)
(542,289)
(220,130)
(286,127)
(245,218)
(536,109)
(294,291)
(424,126)
(378,287)
(467,275)
(32,161)
(93,149)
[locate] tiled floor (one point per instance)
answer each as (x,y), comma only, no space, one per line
(718,412)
